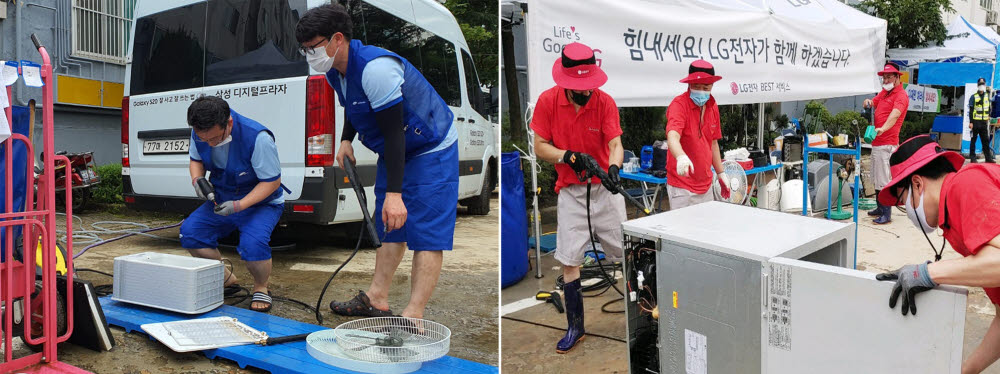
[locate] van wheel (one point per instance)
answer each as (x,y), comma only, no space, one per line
(480,205)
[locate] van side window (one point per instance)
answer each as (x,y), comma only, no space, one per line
(168,53)
(441,69)
(472,86)
(434,56)
(250,40)
(390,32)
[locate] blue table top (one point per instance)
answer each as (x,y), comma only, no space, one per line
(762,169)
(643,177)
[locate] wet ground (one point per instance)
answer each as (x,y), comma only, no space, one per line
(530,335)
(465,299)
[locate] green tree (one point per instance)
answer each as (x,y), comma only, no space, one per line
(479,22)
(911,23)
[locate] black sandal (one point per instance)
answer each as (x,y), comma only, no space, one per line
(261,298)
(359,306)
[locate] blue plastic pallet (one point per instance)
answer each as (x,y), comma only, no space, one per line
(548,242)
(288,358)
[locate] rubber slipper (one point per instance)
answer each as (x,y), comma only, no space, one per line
(261,298)
(359,306)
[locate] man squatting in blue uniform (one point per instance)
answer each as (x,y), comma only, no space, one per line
(246,174)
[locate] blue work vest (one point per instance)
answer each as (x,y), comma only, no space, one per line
(238,178)
(427,117)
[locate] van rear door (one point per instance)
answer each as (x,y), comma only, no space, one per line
(241,50)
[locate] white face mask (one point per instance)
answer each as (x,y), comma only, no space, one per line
(982,88)
(225,141)
(917,216)
(320,61)
(887,86)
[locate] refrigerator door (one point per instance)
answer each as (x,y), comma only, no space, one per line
(823,319)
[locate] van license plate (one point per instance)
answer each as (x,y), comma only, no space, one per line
(165,146)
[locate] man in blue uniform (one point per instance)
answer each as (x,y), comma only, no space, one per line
(246,175)
(399,116)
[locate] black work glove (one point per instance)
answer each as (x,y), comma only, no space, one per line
(613,182)
(910,280)
(575,160)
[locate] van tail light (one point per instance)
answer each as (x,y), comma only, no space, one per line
(319,122)
(125,162)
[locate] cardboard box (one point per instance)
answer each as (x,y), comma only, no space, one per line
(817,140)
(949,140)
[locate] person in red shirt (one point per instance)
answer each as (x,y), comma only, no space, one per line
(693,133)
(576,123)
(891,105)
(964,203)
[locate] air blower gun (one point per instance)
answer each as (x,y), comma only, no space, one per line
(206,189)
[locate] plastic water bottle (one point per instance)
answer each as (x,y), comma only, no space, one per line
(647,156)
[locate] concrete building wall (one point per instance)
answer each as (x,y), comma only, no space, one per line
(975,11)
(78,127)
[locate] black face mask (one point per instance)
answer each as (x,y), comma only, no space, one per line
(579,98)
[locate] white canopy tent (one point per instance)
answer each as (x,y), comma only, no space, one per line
(968,41)
(765,50)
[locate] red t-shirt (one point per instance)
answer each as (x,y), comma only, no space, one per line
(684,117)
(969,207)
(588,131)
(884,103)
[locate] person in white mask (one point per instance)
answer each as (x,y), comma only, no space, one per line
(891,105)
(400,117)
(964,204)
(979,118)
(249,196)
(693,131)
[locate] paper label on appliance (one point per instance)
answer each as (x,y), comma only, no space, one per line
(9,72)
(695,352)
(32,73)
(779,307)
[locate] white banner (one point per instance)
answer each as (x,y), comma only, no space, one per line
(923,99)
(970,89)
(805,49)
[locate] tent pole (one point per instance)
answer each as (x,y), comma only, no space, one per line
(993,73)
(760,127)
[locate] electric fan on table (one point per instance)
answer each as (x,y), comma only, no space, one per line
(736,178)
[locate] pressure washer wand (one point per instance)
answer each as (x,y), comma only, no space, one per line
(594,170)
(369,225)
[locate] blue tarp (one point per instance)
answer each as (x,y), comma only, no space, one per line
(21,117)
(513,221)
(953,74)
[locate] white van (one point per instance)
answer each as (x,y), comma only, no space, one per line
(245,51)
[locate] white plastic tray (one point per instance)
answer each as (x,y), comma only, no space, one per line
(161,332)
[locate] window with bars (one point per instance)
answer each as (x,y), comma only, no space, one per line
(101,29)
(987,4)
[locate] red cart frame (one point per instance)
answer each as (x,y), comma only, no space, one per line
(17,278)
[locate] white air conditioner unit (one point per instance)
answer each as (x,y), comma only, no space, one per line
(991,18)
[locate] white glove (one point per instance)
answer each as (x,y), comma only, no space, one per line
(684,166)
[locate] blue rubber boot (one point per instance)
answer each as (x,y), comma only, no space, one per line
(886,216)
(574,317)
(878,208)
